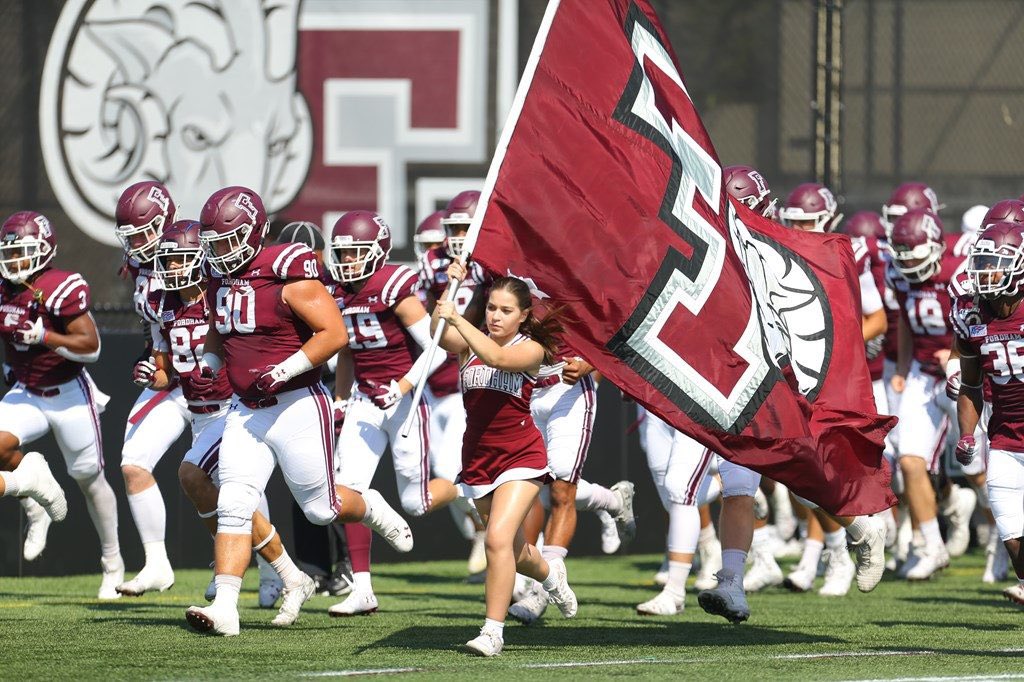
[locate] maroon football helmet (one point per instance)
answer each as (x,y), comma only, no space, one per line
(1005,211)
(233,224)
(142,212)
(916,245)
(996,263)
(359,246)
(864,224)
(811,204)
(747,185)
(429,232)
(908,196)
(27,245)
(179,258)
(458,215)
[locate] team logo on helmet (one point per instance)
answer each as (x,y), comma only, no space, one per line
(157,196)
(244,202)
(44,226)
(930,227)
(831,205)
(385,230)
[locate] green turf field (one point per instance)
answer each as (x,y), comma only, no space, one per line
(951,627)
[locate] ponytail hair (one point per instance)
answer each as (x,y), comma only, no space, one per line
(544,330)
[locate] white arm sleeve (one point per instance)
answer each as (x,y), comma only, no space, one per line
(420,331)
(870,301)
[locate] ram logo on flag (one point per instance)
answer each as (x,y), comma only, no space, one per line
(607,192)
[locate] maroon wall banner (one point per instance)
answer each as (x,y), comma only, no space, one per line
(736,331)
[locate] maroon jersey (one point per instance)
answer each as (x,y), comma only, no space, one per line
(56,296)
(382,348)
(999,343)
(868,254)
(433,279)
(183,328)
(500,432)
(258,328)
(926,307)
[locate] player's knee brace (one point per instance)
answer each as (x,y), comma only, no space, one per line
(235,507)
(738,481)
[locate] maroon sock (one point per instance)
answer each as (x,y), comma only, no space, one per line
(359,538)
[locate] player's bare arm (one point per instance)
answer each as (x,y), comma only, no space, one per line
(969,403)
(874,324)
(309,300)
(905,350)
(344,374)
(80,342)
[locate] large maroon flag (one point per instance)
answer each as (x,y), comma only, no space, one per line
(610,198)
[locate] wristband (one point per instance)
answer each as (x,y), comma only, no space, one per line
(213,361)
(294,365)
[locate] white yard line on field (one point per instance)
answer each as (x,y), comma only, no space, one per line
(354,673)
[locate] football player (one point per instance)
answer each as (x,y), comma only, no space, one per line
(919,274)
(387,327)
(158,417)
(49,336)
(178,344)
(988,324)
(272,324)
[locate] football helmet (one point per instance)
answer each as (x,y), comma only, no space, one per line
(908,196)
(179,258)
(864,224)
(974,219)
(996,263)
(458,214)
(359,246)
(142,212)
(748,186)
(813,203)
(27,245)
(232,224)
(916,245)
(429,232)
(1007,210)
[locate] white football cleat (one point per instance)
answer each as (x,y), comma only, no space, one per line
(213,619)
(625,521)
(113,575)
(930,560)
(664,604)
(271,584)
(38,528)
(727,599)
(790,549)
(661,576)
(870,553)
(522,587)
(1001,566)
(610,541)
(38,483)
(478,554)
(1015,593)
(292,600)
(386,522)
(710,554)
(531,607)
(959,510)
(839,573)
(800,579)
(152,577)
(487,643)
(562,595)
(357,603)
(764,572)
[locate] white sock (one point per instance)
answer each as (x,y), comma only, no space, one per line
(707,534)
(734,561)
(156,553)
(836,540)
(495,626)
(595,497)
(930,531)
(12,486)
(150,514)
(683,528)
(678,572)
(362,581)
(228,587)
(760,537)
(286,568)
(812,554)
(551,581)
(858,529)
(551,552)
(102,505)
